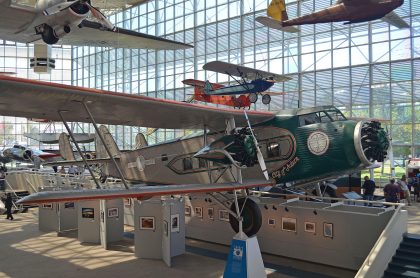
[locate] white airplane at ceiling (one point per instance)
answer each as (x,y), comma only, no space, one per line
(305,145)
(74,22)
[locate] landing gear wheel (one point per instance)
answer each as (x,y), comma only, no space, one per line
(253,97)
(48,35)
(251,215)
(266,99)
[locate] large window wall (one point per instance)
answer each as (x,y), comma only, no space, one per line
(367,69)
(15,57)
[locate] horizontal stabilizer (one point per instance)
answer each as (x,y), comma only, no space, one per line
(79,162)
(393,19)
(136,192)
(53,138)
(275,24)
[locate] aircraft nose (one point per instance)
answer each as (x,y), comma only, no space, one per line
(371,142)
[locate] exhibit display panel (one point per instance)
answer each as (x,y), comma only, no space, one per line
(89,221)
(48,217)
(328,233)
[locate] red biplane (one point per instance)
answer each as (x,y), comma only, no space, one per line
(241,95)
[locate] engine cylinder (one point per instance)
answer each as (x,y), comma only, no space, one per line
(371,142)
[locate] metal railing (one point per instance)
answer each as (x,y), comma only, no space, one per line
(379,204)
(390,238)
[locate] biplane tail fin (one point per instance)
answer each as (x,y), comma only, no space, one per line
(109,141)
(277,10)
(141,141)
(66,151)
(208,87)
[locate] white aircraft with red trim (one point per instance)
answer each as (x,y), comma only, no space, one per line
(72,22)
(233,149)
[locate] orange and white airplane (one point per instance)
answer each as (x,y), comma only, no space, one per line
(241,101)
(250,84)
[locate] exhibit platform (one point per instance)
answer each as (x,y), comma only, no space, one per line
(27,252)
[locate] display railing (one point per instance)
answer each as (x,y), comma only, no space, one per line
(385,247)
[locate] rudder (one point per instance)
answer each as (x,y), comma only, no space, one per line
(66,151)
(109,141)
(277,10)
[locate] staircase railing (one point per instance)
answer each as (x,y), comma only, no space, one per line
(386,245)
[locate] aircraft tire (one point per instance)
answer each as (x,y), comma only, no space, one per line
(48,35)
(266,99)
(252,218)
(253,97)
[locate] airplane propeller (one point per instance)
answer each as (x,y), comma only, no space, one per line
(259,154)
(86,3)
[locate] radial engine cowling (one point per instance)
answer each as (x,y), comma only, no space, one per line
(371,142)
(27,155)
(237,148)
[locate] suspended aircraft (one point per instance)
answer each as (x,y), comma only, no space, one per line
(232,150)
(350,11)
(24,154)
(237,96)
(73,22)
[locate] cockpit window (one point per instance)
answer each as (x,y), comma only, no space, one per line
(321,117)
(314,118)
(336,115)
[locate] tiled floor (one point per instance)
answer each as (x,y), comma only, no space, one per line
(27,253)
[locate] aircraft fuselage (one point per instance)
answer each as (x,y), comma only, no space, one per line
(295,147)
(253,87)
(357,11)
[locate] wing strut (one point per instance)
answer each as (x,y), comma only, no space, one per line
(98,186)
(105,145)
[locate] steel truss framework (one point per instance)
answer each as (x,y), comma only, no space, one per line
(366,69)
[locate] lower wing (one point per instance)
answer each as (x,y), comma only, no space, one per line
(136,192)
(95,34)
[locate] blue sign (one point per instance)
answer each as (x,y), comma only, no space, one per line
(236,265)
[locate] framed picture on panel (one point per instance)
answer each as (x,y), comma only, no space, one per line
(288,224)
(328,230)
(147,223)
(310,227)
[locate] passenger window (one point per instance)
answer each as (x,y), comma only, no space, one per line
(187,163)
(309,119)
(273,150)
(201,163)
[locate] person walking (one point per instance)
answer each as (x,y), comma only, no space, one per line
(391,191)
(404,188)
(368,189)
(8,204)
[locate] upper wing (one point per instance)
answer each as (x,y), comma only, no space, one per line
(241,71)
(136,192)
(35,99)
(393,19)
(95,34)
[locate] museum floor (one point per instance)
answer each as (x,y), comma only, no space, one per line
(26,252)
